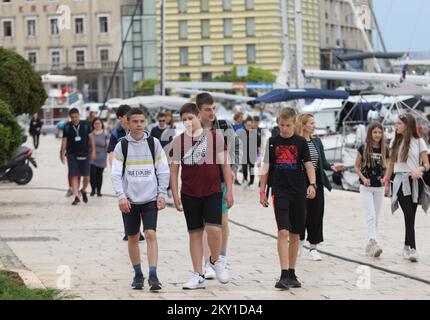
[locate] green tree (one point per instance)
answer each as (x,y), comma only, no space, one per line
(20,86)
(255,74)
(146,87)
(10,134)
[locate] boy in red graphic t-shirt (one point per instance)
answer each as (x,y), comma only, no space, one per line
(287,158)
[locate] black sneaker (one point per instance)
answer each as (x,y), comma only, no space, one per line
(237,183)
(125,238)
(293,282)
(76,201)
(282,284)
(138,281)
(84,196)
(99,195)
(141,238)
(154,283)
(93,193)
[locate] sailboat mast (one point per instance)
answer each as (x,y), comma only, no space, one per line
(299,45)
(286,40)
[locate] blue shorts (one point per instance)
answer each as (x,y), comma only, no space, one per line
(224,204)
(78,166)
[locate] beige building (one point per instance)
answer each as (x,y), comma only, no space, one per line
(207,38)
(340,34)
(76,37)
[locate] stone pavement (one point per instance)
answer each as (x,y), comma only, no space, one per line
(41,231)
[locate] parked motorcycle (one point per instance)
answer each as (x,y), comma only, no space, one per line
(19,169)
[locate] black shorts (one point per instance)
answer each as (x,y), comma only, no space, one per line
(201,212)
(147,212)
(290,213)
(78,166)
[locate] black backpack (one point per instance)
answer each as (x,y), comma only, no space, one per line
(124,148)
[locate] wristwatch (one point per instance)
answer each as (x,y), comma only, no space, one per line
(313,185)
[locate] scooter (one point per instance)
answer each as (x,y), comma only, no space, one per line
(19,169)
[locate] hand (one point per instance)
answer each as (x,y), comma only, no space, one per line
(63,158)
(161,203)
(417,174)
(233,176)
(93,155)
(382,182)
(258,164)
(263,200)
(178,204)
(387,189)
(124,205)
(338,168)
(366,182)
(229,199)
(311,192)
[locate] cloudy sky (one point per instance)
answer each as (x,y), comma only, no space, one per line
(405,24)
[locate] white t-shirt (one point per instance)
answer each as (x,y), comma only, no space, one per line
(416,147)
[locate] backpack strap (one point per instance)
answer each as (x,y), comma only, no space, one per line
(223,124)
(151,145)
(272,159)
(124,148)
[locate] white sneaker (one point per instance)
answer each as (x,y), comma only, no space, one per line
(209,271)
(300,251)
(196,282)
(367,250)
(315,255)
(373,250)
(221,271)
(406,252)
(413,257)
(223,259)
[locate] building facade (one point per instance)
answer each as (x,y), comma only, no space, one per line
(340,34)
(207,38)
(70,37)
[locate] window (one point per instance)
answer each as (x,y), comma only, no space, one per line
(228,27)
(79,25)
(204,5)
(53,27)
(250,27)
(183,53)
(182,6)
(227,5)
(7,28)
(184,76)
(55,58)
(31,27)
(207,76)
(103,24)
(80,58)
(228,54)
(183,29)
(250,53)
(206,55)
(32,57)
(104,55)
(205,28)
(249,4)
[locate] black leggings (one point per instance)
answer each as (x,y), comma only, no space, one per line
(315,215)
(36,138)
(251,172)
(409,211)
(96,179)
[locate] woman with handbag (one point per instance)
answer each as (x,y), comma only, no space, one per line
(409,161)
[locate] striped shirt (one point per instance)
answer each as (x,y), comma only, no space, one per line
(314,154)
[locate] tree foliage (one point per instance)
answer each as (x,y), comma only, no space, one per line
(20,86)
(255,74)
(10,134)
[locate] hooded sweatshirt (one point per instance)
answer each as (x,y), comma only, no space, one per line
(140,184)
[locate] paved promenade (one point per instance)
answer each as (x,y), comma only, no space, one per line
(41,232)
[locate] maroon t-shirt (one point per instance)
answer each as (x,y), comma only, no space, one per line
(201,175)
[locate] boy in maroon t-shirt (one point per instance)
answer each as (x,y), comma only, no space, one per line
(202,155)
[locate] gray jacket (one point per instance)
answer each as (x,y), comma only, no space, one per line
(402,180)
(140,184)
(234,150)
